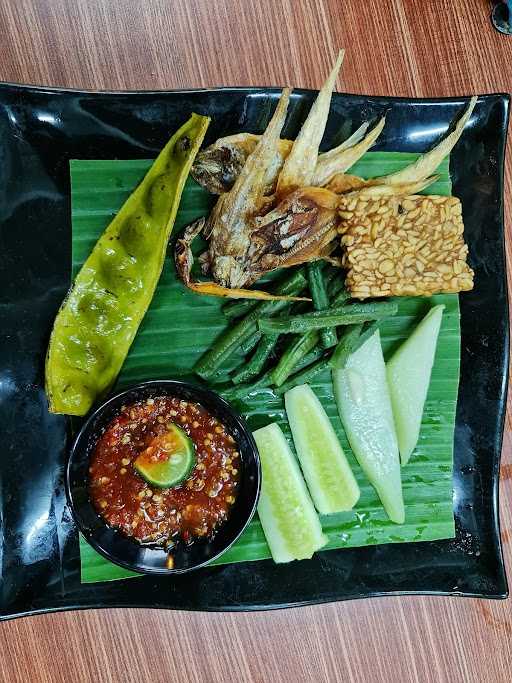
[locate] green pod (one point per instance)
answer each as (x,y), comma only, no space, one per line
(318,289)
(99,318)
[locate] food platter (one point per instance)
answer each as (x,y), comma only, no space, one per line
(42,130)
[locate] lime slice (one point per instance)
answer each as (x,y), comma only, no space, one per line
(168,460)
(289,520)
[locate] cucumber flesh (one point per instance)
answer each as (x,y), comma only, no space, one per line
(364,406)
(330,480)
(175,459)
(288,517)
(408,373)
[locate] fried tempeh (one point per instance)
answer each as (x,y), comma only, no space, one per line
(403,245)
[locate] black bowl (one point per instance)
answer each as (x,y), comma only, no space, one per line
(126,552)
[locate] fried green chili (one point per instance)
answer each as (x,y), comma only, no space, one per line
(99,318)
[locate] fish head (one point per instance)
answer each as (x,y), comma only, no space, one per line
(217,167)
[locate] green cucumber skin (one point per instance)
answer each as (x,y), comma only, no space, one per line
(288,517)
(330,480)
(408,374)
(365,411)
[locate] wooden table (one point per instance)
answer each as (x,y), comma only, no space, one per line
(394,47)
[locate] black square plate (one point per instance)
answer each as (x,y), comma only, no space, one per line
(40,131)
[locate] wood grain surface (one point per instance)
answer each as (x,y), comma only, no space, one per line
(394,47)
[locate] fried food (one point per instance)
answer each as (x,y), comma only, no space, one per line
(427,163)
(337,160)
(229,226)
(300,164)
(407,245)
(251,233)
(416,172)
(288,203)
(298,230)
(218,166)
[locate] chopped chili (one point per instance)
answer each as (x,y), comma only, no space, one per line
(193,509)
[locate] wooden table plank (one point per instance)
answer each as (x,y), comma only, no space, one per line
(394,47)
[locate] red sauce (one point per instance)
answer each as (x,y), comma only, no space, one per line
(196,507)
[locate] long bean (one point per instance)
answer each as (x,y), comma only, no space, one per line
(340,298)
(224,347)
(243,390)
(221,376)
(304,376)
(306,362)
(335,289)
(238,307)
(346,346)
(368,331)
(250,343)
(345,315)
(255,365)
(257,361)
(298,348)
(311,358)
(353,342)
(318,289)
(237,334)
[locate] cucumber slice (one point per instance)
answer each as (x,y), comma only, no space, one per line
(176,458)
(408,373)
(331,483)
(364,406)
(289,520)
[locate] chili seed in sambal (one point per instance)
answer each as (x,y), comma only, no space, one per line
(165,470)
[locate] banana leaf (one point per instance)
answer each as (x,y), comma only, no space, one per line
(180,326)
